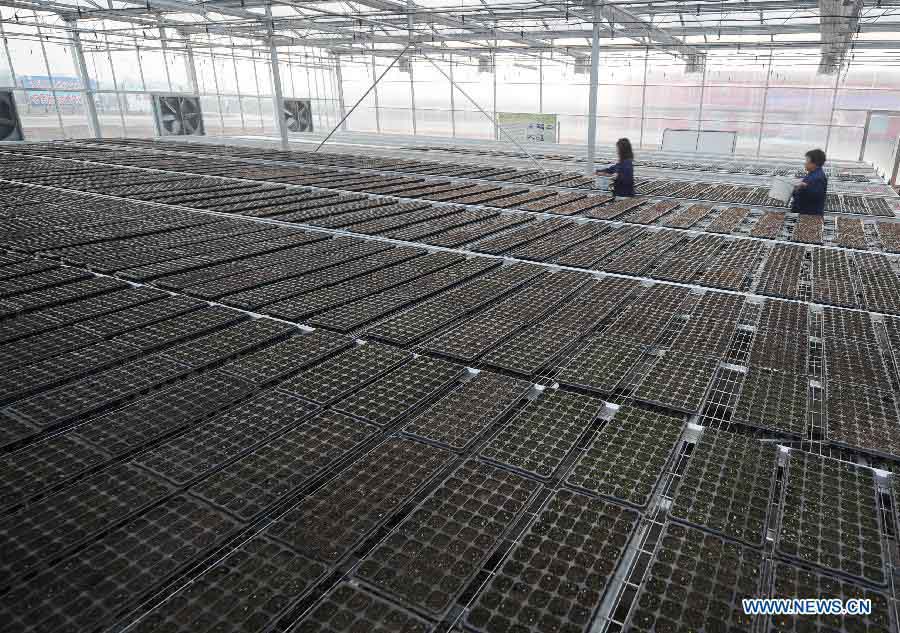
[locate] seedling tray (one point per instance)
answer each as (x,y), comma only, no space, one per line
(696,582)
(863,418)
(284,464)
(331,380)
(394,395)
(287,357)
(460,417)
(538,438)
(678,381)
(557,575)
(45,529)
(774,400)
(602,365)
(246,591)
(727,487)
(830,517)
(227,436)
(134,561)
(629,455)
(351,608)
(429,559)
(330,524)
(793,582)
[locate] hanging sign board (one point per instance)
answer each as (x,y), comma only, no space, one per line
(528,127)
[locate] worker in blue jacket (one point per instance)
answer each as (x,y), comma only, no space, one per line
(809,195)
(623,171)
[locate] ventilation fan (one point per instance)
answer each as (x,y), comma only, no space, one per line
(178,116)
(10,127)
(298,115)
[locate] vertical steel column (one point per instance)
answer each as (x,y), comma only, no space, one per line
(12,70)
(62,128)
(165,51)
(592,98)
(494,75)
(762,120)
(276,84)
(87,91)
(452,101)
(215,74)
(541,83)
(837,80)
(122,100)
(191,68)
(644,96)
(237,87)
(339,80)
(700,111)
(410,14)
(375,92)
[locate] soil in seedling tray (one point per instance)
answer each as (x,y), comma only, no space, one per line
(727,486)
(558,573)
(332,521)
(774,400)
(393,395)
(352,609)
(538,439)
(795,582)
(90,589)
(461,416)
(830,517)
(243,592)
(696,582)
(428,560)
(274,470)
(628,456)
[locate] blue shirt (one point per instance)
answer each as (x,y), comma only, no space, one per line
(624,183)
(811,198)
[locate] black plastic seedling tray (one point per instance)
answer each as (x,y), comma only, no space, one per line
(331,523)
(43,530)
(627,458)
(791,581)
(557,575)
(863,418)
(602,365)
(401,391)
(727,487)
(830,517)
(428,560)
(282,465)
(696,582)
(349,608)
(543,433)
(344,373)
(678,381)
(101,583)
(775,400)
(246,591)
(460,417)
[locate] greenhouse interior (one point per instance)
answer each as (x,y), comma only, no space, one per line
(489,316)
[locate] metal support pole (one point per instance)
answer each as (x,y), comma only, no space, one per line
(644,96)
(62,128)
(277,100)
(410,18)
(375,94)
(837,79)
(452,102)
(700,110)
(592,98)
(494,102)
(339,79)
(165,52)
(87,92)
(541,83)
(762,120)
(191,68)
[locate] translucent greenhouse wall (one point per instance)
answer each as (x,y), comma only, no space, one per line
(776,101)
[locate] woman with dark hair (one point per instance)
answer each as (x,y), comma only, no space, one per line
(810,194)
(623,171)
